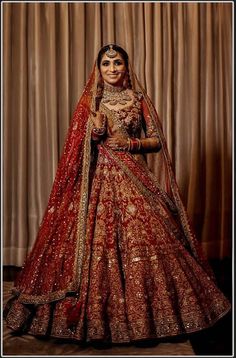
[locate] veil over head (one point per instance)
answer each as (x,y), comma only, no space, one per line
(59,250)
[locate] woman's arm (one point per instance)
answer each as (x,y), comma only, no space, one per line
(134,145)
(149,145)
(152,142)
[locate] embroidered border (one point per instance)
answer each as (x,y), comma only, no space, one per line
(147,193)
(83,206)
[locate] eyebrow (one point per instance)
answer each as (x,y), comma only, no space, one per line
(118,59)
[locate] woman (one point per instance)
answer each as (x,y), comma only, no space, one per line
(115,258)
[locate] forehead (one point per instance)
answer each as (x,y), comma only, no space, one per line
(118,57)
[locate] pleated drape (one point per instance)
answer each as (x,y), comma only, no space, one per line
(181,52)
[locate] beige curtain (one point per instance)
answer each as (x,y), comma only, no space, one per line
(182,53)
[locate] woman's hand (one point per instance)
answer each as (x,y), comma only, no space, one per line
(148,145)
(99,119)
(117,143)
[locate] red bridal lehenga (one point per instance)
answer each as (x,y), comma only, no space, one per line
(115,258)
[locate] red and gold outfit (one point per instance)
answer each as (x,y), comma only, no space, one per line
(115,258)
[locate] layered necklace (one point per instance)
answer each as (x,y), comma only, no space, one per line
(115,95)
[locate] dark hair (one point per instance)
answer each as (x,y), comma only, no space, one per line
(116,48)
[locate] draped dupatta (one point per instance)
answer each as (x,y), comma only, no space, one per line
(60,256)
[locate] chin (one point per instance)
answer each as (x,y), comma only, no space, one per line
(114,81)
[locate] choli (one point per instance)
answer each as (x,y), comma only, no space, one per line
(131,116)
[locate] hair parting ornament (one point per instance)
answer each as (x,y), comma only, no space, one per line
(111,53)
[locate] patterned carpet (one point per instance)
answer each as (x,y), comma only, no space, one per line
(30,345)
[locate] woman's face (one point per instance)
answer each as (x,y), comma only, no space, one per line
(113,69)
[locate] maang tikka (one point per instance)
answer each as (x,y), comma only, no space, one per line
(111,52)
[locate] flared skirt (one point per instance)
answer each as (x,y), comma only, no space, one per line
(141,281)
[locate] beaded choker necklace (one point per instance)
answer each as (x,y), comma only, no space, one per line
(115,95)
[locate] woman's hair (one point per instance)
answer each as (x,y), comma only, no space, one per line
(116,48)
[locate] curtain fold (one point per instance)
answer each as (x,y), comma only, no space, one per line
(181,52)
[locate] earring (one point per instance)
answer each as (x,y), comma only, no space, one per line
(126,81)
(100,82)
(99,92)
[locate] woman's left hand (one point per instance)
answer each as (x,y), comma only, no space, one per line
(117,143)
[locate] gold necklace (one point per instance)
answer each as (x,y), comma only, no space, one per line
(115,95)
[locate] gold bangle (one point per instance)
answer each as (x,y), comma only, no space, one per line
(139,143)
(129,144)
(99,130)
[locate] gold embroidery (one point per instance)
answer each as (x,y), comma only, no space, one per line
(111,114)
(82,214)
(148,194)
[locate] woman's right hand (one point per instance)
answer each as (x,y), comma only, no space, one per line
(99,119)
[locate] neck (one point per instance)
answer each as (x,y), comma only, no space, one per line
(111,88)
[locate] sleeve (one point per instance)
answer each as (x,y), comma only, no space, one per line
(149,123)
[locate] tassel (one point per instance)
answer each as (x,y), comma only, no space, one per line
(73,314)
(8,307)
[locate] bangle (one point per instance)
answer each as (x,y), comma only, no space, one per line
(129,144)
(139,144)
(99,131)
(135,144)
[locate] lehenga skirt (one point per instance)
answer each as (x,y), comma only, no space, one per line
(139,280)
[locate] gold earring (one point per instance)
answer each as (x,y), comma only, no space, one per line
(126,81)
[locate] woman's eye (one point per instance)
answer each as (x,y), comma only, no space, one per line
(116,63)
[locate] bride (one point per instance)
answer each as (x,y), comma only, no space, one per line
(115,258)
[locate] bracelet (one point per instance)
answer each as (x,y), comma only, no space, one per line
(139,144)
(99,131)
(129,144)
(134,144)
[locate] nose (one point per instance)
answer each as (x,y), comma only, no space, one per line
(112,67)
